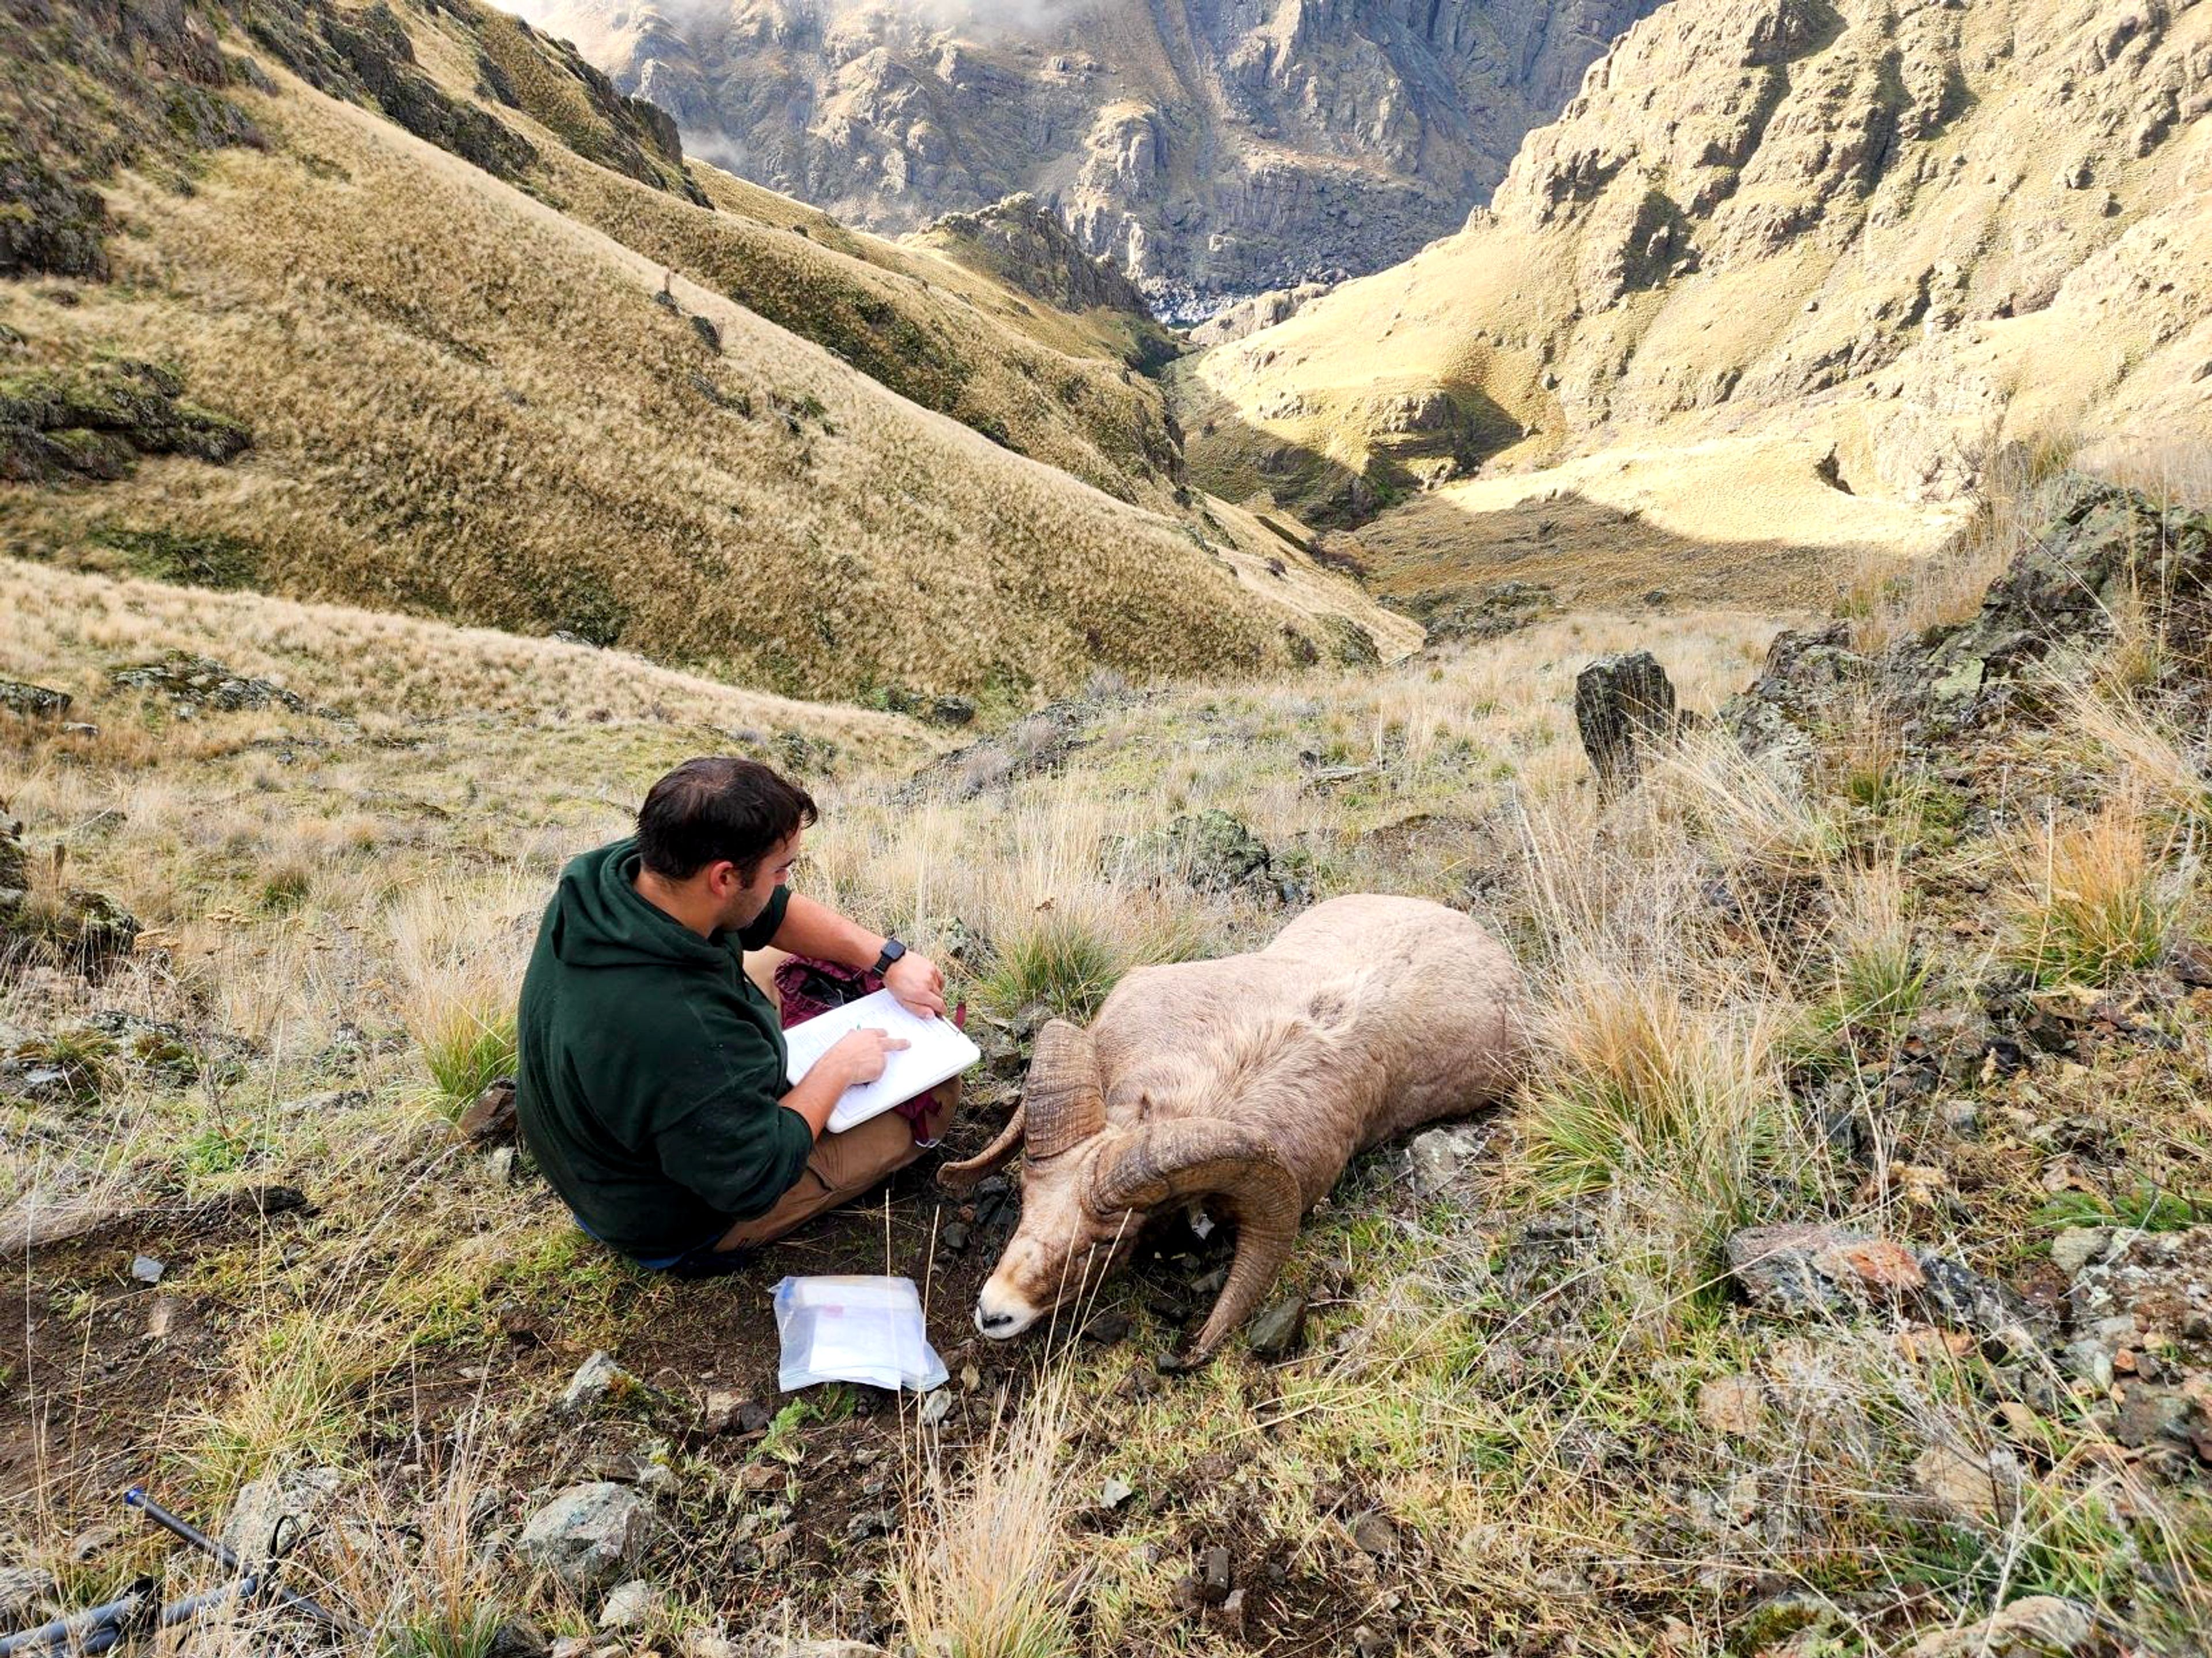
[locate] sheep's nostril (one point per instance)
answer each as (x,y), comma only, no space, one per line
(991,1321)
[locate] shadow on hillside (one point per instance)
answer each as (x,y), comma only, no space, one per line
(1415,439)
(1436,550)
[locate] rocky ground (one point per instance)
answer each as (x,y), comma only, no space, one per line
(1837,1283)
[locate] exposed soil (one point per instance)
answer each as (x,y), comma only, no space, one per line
(90,1407)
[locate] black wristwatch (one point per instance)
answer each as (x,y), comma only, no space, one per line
(892,950)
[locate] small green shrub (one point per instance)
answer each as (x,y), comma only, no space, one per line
(2145,1208)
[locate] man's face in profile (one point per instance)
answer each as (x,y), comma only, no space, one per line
(746,902)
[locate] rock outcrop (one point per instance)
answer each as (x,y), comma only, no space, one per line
(1208,149)
(1917,230)
(2096,550)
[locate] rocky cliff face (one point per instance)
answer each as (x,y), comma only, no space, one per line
(1894,234)
(1211,146)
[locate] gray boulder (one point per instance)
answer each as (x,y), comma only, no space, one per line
(24,1592)
(272,1512)
(588,1536)
(33,701)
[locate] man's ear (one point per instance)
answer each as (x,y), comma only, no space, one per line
(722,879)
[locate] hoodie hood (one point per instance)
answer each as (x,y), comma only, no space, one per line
(597,918)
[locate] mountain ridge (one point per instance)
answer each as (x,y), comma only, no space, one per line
(1878,243)
(1211,150)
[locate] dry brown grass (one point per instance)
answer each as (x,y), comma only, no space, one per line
(992,1578)
(467,405)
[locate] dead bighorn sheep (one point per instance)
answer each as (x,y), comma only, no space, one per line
(1248,1082)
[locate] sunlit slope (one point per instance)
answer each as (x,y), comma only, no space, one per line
(466,404)
(1886,241)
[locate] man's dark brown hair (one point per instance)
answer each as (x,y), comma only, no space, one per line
(718,807)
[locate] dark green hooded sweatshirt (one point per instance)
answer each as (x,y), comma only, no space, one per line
(652,1068)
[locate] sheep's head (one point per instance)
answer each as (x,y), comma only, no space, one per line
(1088,1188)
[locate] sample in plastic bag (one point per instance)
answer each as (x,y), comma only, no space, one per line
(855,1329)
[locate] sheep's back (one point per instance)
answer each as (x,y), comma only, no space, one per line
(1365,1016)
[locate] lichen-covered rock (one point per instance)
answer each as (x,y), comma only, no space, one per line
(588,1534)
(200,682)
(1623,704)
(74,928)
(2101,549)
(1217,852)
(2155,1285)
(1807,1267)
(94,423)
(33,702)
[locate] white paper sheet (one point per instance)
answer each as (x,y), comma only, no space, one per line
(937,1048)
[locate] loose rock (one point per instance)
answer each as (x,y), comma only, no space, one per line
(1375,1533)
(2038,1627)
(491,1119)
(1437,1154)
(1734,1406)
(2156,1283)
(1276,1328)
(1213,1577)
(720,1413)
(629,1605)
(587,1534)
(596,1379)
(1960,1483)
(273,1511)
(1805,1267)
(2077,1246)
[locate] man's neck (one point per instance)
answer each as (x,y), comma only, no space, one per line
(681,904)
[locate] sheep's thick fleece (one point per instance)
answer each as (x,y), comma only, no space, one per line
(1365,1017)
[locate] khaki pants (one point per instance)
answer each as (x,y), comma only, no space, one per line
(842,1167)
(846,1166)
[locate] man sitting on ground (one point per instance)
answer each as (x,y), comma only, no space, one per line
(651,1086)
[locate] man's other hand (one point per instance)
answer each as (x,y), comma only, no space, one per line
(862,1054)
(919,985)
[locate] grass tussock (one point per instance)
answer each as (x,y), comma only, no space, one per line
(1641,1087)
(993,1575)
(459,953)
(2094,898)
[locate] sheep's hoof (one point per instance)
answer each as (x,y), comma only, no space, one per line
(1179,1363)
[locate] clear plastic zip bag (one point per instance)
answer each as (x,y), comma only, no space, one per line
(855,1329)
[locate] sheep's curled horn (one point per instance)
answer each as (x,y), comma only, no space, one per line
(1198,1157)
(1062,1106)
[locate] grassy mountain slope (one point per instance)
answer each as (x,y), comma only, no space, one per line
(463,401)
(1866,244)
(1941,987)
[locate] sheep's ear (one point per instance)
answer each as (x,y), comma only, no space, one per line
(1062,1098)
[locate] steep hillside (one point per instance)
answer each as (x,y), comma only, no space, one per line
(1847,251)
(1210,149)
(1838,1284)
(464,369)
